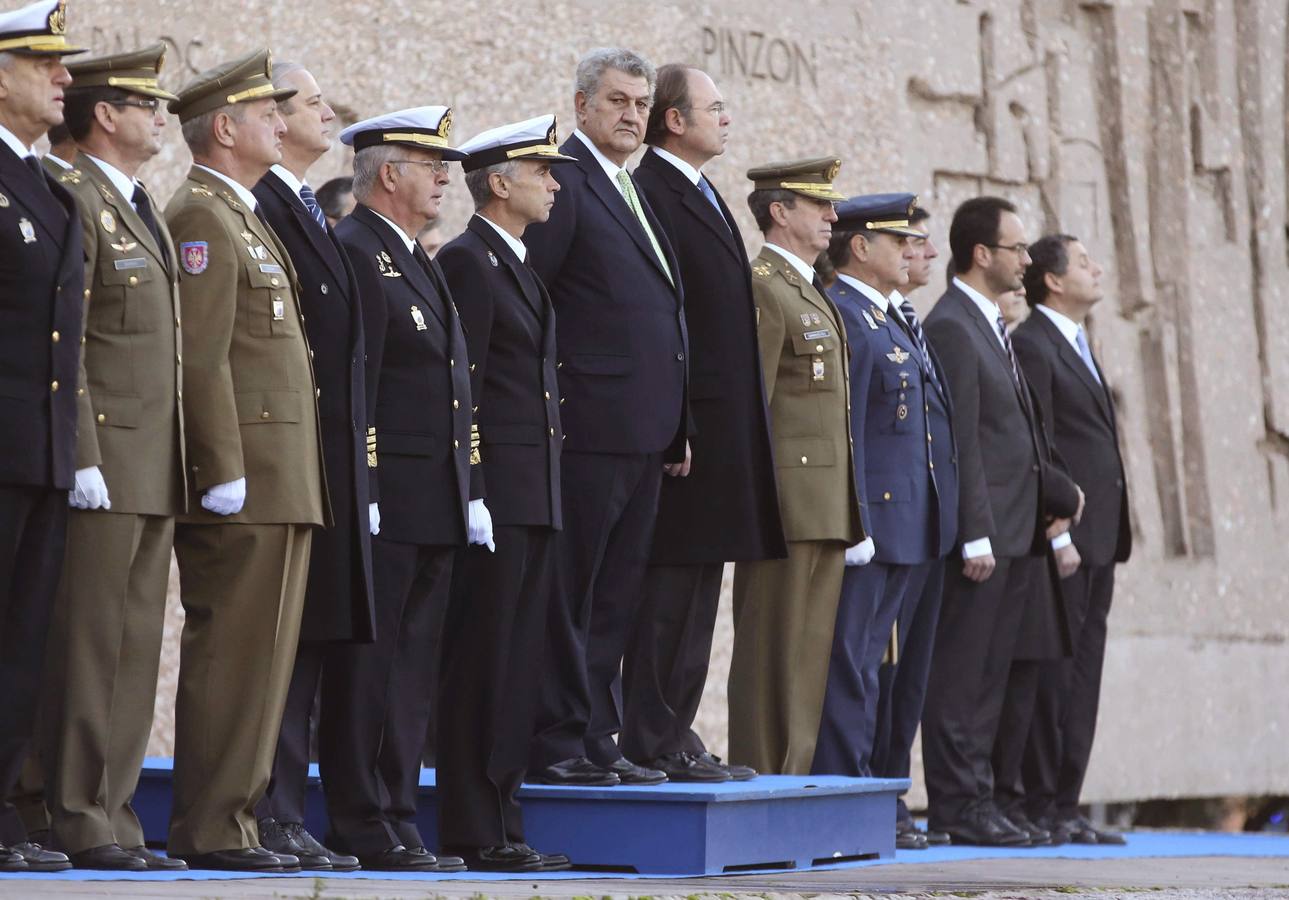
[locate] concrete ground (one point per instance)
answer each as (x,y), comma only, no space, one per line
(996,879)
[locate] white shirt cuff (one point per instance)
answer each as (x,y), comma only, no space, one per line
(1062,540)
(978,547)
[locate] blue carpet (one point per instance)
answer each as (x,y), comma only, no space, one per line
(1141,844)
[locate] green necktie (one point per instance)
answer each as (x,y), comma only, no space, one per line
(629,192)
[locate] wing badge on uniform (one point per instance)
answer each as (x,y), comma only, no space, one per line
(897,356)
(195,256)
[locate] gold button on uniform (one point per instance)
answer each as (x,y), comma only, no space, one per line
(804,460)
(456,443)
(452,362)
(265,414)
(53,386)
(101,418)
(819,348)
(55,337)
(87,293)
(274,282)
(456,404)
(132,280)
(548,395)
(552,432)
(886,496)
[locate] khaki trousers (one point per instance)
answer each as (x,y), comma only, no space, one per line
(242,588)
(104,651)
(784,612)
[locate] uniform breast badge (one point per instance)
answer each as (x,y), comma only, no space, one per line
(28,232)
(492,258)
(419,318)
(817,368)
(879,315)
(124,245)
(279,309)
(108,221)
(901,412)
(386,265)
(897,356)
(195,256)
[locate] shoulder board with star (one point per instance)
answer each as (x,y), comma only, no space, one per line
(762,269)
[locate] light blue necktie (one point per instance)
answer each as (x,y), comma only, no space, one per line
(706,190)
(1081,340)
(310,201)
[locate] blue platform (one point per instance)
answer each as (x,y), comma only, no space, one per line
(771,822)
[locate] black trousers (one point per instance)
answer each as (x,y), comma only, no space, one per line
(307,700)
(494,642)
(610,502)
(901,688)
(370,750)
(1069,692)
(33,533)
(975,642)
(871,597)
(665,669)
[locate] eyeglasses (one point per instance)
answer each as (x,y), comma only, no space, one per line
(1018,248)
(717,109)
(151,104)
(437,167)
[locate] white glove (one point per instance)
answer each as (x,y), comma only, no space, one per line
(225,499)
(861,554)
(480,527)
(373,517)
(90,491)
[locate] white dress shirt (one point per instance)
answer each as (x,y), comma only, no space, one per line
(804,268)
(289,178)
(867,290)
(1068,327)
(683,167)
(611,168)
(408,242)
(243,194)
(11,140)
(512,242)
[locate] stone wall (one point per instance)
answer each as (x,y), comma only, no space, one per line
(1155,130)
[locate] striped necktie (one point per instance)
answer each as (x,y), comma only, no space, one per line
(1007,345)
(633,201)
(310,201)
(911,319)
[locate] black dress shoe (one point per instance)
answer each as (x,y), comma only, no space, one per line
(578,771)
(399,859)
(1102,837)
(1038,835)
(277,840)
(241,859)
(41,860)
(506,858)
(108,858)
(11,861)
(685,767)
(441,863)
(309,845)
(551,862)
(984,827)
(155,861)
(737,773)
(629,773)
(908,836)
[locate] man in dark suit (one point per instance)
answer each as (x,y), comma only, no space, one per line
(1062,285)
(727,508)
(895,473)
(41,279)
(1008,490)
(902,682)
(623,360)
(338,598)
(495,633)
(426,475)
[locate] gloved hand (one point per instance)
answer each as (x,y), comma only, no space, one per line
(225,499)
(862,553)
(90,491)
(480,527)
(373,517)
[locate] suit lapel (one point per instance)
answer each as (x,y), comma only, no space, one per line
(404,263)
(805,288)
(322,241)
(501,250)
(124,211)
(693,200)
(19,181)
(1072,360)
(991,338)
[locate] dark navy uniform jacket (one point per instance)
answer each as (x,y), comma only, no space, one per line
(905,461)
(42,280)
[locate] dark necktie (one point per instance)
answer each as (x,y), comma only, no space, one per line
(310,201)
(919,336)
(706,190)
(1007,345)
(143,206)
(39,171)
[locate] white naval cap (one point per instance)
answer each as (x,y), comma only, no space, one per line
(529,139)
(38,28)
(424,127)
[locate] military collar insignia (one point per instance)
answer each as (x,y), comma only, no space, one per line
(762,269)
(202,191)
(492,258)
(868,317)
(231,200)
(385,264)
(71,176)
(4,202)
(878,314)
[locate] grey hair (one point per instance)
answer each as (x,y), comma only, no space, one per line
(478,183)
(367,163)
(280,71)
(592,66)
(6,59)
(197,131)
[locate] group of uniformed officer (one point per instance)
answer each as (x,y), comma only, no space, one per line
(385,517)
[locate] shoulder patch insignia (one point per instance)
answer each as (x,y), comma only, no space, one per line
(762,269)
(195,256)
